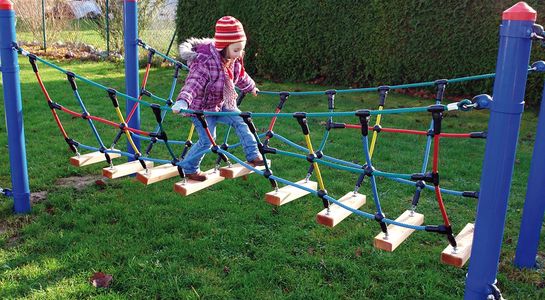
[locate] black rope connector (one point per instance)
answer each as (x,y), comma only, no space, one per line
(267,150)
(311,157)
(377,128)
(437,115)
(85,115)
(157,112)
(174,161)
(283,98)
(224,146)
(72,144)
(302,120)
(443,229)
(32,61)
(150,55)
(177,68)
(122,126)
(319,154)
(379,218)
(470,194)
(200,116)
(364,115)
(180,172)
(478,135)
(383,92)
(106,155)
(441,85)
(322,194)
(331,98)
(240,97)
(267,173)
(72,79)
(269,134)
(247,118)
(368,170)
(430,133)
(333,125)
(144,92)
(416,197)
(54,105)
(113,96)
(138,156)
(188,143)
(214,149)
(169,102)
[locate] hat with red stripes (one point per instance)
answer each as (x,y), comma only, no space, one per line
(229,30)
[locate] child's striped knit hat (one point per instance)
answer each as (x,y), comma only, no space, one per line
(228,31)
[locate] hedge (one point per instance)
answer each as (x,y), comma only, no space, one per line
(365,43)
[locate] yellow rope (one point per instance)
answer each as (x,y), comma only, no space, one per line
(375,134)
(316,167)
(129,138)
(191,130)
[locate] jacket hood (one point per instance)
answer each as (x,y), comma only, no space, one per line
(190,49)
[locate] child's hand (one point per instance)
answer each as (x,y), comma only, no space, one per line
(254,91)
(179,105)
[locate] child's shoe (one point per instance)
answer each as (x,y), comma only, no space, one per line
(199,176)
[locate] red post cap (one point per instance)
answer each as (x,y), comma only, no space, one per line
(6,5)
(520,12)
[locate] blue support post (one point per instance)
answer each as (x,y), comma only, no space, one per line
(534,206)
(130,27)
(501,143)
(13,109)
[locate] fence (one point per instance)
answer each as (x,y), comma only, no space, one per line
(94,24)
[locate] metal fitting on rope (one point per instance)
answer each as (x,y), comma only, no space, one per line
(54,105)
(188,143)
(72,144)
(482,101)
(441,85)
(368,170)
(330,124)
(478,135)
(437,115)
(469,194)
(495,293)
(311,157)
(319,154)
(6,192)
(377,128)
(331,98)
(122,126)
(72,79)
(144,92)
(383,92)
(364,115)
(283,98)
(113,96)
(85,115)
(157,112)
(302,120)
(465,105)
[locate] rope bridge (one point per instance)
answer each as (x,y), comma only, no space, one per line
(393,232)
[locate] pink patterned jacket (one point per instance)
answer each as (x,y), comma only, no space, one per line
(203,89)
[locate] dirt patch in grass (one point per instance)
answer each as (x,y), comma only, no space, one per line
(38,197)
(78,182)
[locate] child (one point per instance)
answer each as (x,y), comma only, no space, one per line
(215,68)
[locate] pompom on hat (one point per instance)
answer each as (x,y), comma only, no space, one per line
(229,30)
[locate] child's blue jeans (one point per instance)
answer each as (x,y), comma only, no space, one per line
(249,144)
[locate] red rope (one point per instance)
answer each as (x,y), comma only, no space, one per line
(104,121)
(409,131)
(144,83)
(48,99)
(435,171)
(273,120)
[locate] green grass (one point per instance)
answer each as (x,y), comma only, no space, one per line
(226,242)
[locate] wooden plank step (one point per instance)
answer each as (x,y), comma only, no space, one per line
(336,213)
(157,174)
(192,186)
(464,241)
(91,158)
(238,170)
(398,234)
(289,193)
(125,169)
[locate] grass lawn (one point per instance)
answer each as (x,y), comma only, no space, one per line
(226,241)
